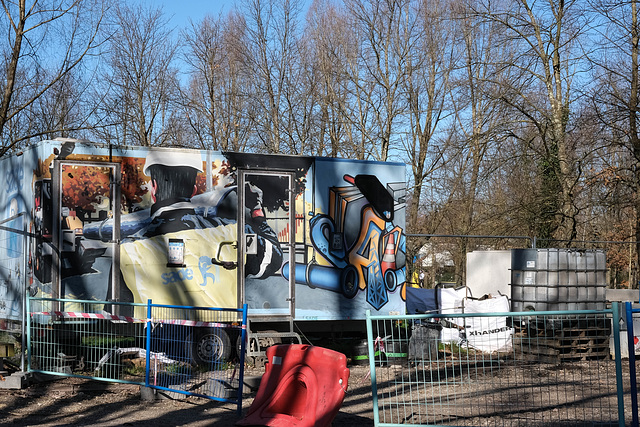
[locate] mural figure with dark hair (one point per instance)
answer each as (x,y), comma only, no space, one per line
(204,229)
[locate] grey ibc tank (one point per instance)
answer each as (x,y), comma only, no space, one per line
(558,279)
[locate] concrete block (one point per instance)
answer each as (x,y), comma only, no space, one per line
(148,394)
(15,381)
(622,295)
(251,383)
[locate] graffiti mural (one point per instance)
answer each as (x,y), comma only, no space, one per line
(328,231)
(359,240)
(11,243)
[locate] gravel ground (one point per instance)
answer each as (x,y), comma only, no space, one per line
(76,401)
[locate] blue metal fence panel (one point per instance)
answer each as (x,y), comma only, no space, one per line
(196,351)
(531,368)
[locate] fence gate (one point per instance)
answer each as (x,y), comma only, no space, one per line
(195,351)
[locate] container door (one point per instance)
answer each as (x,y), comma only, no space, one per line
(85,193)
(266,235)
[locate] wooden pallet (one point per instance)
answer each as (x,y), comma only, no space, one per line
(564,345)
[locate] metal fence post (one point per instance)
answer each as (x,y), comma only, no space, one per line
(615,314)
(243,334)
(632,365)
(372,369)
(25,289)
(148,353)
(28,347)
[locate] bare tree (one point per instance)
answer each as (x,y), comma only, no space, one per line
(45,41)
(549,59)
(424,96)
(385,32)
(302,115)
(217,100)
(60,109)
(141,81)
(272,35)
(328,44)
(616,103)
(427,86)
(480,122)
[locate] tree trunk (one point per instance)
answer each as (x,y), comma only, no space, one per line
(12,68)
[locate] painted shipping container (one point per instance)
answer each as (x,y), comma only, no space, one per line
(310,238)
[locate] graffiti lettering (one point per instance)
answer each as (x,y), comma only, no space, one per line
(364,251)
(204,264)
(177,276)
(365,256)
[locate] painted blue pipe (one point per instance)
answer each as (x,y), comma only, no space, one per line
(340,280)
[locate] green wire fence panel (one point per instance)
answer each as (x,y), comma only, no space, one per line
(498,369)
(188,350)
(80,338)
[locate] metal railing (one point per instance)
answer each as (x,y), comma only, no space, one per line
(188,350)
(502,369)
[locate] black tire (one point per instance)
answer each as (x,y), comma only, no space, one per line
(390,281)
(349,281)
(211,346)
(239,346)
(360,353)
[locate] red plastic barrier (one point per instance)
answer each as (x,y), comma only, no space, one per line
(302,385)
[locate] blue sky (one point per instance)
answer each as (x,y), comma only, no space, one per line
(180,11)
